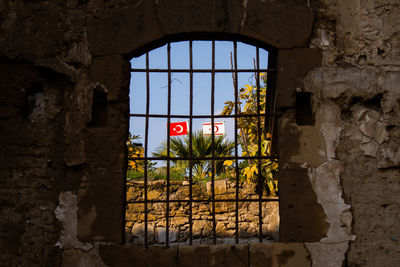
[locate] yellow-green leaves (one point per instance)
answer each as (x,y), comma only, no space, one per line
(250,172)
(228,108)
(251,129)
(228,163)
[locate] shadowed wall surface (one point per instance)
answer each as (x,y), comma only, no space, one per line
(64,114)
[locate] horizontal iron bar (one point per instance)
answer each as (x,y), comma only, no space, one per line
(204,158)
(202,70)
(204,116)
(203,200)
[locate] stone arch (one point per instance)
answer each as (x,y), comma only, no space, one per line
(114,37)
(127,30)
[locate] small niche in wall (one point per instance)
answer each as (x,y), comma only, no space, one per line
(304,112)
(99,108)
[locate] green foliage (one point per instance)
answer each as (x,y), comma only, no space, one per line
(249,134)
(134,151)
(134,175)
(156,174)
(201,147)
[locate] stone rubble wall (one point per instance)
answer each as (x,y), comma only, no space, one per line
(202,213)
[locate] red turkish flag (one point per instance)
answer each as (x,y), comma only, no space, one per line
(178,128)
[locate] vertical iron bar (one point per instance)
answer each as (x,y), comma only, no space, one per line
(260,180)
(213,142)
(168,142)
(190,145)
(268,127)
(272,58)
(146,143)
(236,144)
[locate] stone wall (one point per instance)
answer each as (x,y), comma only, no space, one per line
(202,214)
(64,116)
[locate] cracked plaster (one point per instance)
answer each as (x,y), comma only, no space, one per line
(75,252)
(361,28)
(325,180)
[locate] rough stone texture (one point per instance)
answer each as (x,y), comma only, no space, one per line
(298,197)
(276,23)
(109,73)
(326,184)
(121,256)
(221,255)
(293,66)
(97,212)
(132,26)
(279,254)
(76,257)
(31,103)
(305,143)
(202,220)
(373,194)
(63,151)
(206,16)
(321,253)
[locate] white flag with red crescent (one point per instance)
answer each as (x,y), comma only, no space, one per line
(219,128)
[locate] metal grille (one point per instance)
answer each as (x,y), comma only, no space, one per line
(269,119)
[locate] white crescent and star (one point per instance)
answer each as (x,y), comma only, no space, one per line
(178,126)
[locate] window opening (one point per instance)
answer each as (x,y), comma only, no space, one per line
(203,142)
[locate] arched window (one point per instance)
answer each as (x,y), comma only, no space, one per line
(202,161)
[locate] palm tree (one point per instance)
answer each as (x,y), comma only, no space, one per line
(201,147)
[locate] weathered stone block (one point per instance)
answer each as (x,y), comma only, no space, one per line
(40,37)
(277,24)
(124,256)
(218,255)
(247,229)
(110,72)
(222,207)
(181,193)
(194,16)
(161,234)
(124,30)
(138,231)
(135,208)
(133,193)
(297,197)
(178,221)
(369,122)
(154,194)
(78,257)
(321,253)
(219,187)
(302,144)
(389,154)
(279,254)
(202,228)
(293,66)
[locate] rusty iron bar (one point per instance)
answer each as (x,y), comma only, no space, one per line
(213,158)
(236,144)
(270,199)
(202,70)
(190,144)
(202,116)
(259,133)
(168,144)
(214,230)
(205,158)
(146,142)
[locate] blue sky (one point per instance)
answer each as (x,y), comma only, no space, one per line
(202,56)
